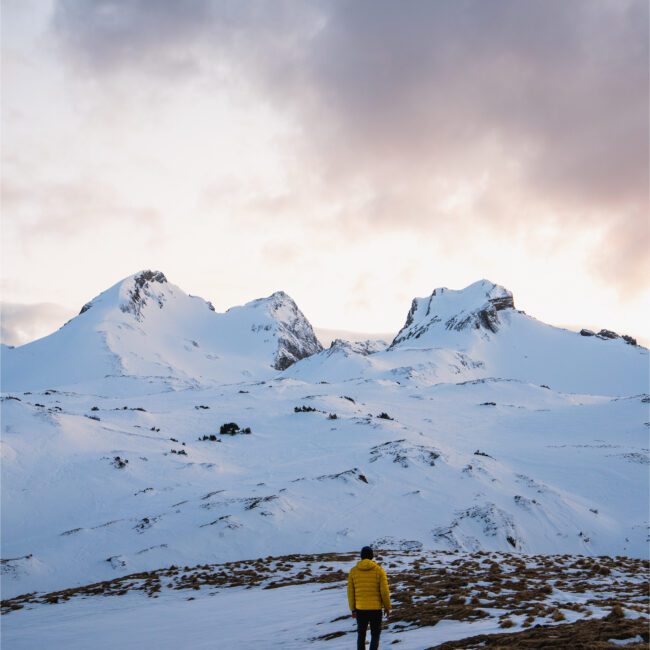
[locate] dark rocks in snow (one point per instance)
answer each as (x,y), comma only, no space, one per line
(348,398)
(142,292)
(85,308)
(211,437)
(203,407)
(332,416)
(95,408)
(344,476)
(402,452)
(232,428)
(609,335)
(119,462)
(93,417)
(180,452)
(72,531)
(488,404)
(253,502)
(385,416)
(145,523)
(304,409)
(482,453)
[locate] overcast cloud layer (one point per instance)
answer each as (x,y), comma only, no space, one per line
(447,140)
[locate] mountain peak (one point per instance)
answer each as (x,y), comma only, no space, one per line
(296,338)
(475,307)
(133,292)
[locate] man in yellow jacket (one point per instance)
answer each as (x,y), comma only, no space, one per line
(367,595)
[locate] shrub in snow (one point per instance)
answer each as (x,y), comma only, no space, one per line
(303,409)
(232,428)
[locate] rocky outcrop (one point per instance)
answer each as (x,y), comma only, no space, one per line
(476,307)
(144,291)
(296,338)
(364,348)
(609,335)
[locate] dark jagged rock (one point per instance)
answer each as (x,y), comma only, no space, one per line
(476,307)
(296,338)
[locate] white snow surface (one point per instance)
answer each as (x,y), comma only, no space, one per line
(145,326)
(528,438)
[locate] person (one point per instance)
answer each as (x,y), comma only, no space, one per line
(368,594)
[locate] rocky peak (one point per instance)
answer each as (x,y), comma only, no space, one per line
(475,307)
(295,335)
(140,289)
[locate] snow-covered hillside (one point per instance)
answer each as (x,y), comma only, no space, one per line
(477,428)
(474,333)
(144,326)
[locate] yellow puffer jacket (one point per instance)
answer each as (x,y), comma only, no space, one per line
(368,587)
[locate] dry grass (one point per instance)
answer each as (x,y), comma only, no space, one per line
(428,587)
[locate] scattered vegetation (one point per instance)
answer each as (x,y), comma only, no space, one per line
(478,452)
(429,587)
(232,428)
(211,437)
(304,409)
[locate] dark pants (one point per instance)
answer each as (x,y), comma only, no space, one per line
(365,616)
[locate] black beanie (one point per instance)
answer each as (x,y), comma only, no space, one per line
(366,553)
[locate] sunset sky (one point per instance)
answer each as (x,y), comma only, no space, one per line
(353,153)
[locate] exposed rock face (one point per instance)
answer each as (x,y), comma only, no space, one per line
(609,335)
(144,291)
(363,348)
(296,338)
(475,307)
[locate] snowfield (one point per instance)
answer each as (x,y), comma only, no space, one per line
(477,430)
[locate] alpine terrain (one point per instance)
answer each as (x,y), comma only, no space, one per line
(229,455)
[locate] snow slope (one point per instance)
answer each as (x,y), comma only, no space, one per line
(476,332)
(146,326)
(462,438)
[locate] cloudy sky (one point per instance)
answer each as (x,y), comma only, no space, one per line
(354,153)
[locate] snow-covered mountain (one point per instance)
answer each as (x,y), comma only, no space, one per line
(478,427)
(476,333)
(144,326)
